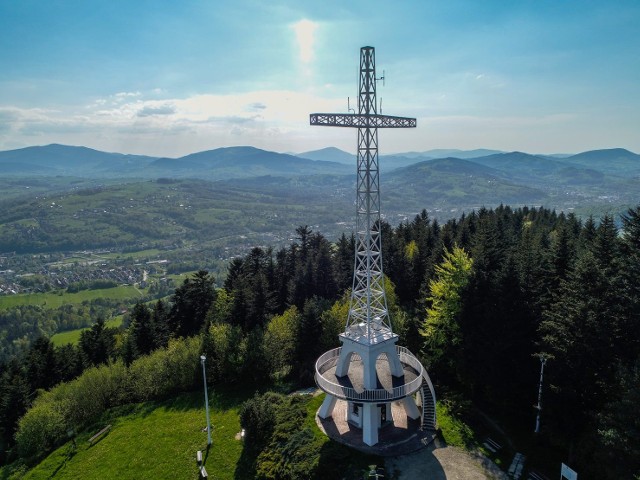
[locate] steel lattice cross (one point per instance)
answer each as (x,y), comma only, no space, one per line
(368,320)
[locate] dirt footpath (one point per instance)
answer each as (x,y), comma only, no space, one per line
(439,462)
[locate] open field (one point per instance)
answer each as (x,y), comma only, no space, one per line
(57,299)
(152,440)
(73,336)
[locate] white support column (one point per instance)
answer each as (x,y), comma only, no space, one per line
(370,374)
(394,362)
(370,421)
(344,360)
(328,404)
(410,407)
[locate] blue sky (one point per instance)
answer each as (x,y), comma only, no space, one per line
(170,78)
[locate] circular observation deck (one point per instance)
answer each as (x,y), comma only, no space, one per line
(351,386)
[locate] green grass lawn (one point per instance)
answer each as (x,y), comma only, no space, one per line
(159,440)
(73,336)
(57,299)
(152,440)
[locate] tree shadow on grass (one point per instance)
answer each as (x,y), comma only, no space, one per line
(246,466)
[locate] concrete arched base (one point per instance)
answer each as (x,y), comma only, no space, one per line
(397,438)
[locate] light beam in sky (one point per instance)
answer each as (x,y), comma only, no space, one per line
(305,30)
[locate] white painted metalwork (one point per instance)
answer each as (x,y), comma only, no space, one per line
(328,360)
(368,332)
(368,320)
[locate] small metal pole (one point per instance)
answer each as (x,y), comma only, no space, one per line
(206,398)
(543,360)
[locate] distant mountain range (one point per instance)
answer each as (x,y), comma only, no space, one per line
(218,164)
(410,181)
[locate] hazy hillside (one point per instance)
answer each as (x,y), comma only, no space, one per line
(614,161)
(386,162)
(267,194)
(70,160)
(330,154)
(451,152)
(453,182)
(222,163)
(241,162)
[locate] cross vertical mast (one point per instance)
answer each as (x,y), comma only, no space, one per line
(368,306)
(368,320)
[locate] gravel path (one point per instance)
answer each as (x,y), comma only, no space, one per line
(439,462)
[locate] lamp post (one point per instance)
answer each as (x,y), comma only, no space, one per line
(203,359)
(543,361)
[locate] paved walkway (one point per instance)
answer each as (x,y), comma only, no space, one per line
(411,453)
(439,462)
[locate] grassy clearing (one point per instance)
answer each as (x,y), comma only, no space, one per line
(57,299)
(73,336)
(160,440)
(152,440)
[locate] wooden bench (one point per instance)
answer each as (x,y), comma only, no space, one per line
(99,435)
(492,445)
(536,476)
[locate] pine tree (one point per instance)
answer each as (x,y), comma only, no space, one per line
(142,330)
(343,262)
(190,304)
(98,343)
(40,364)
(580,331)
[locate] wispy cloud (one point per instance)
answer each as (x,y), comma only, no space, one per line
(262,118)
(163,109)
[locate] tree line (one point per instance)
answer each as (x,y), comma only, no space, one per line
(479,299)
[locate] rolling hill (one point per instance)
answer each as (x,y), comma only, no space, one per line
(614,161)
(242,162)
(221,163)
(453,182)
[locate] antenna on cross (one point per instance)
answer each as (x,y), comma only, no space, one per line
(349,109)
(377,80)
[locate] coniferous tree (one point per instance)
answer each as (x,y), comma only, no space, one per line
(15,397)
(576,330)
(630,277)
(344,261)
(308,334)
(142,330)
(68,362)
(619,426)
(40,364)
(98,343)
(190,304)
(160,322)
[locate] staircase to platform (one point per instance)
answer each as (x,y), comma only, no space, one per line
(428,400)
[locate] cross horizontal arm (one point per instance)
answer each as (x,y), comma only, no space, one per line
(358,121)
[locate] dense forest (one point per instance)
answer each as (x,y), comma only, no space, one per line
(481,299)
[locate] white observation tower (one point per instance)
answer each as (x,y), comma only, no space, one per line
(370,371)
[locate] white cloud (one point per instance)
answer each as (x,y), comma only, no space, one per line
(127,94)
(161,109)
(270,119)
